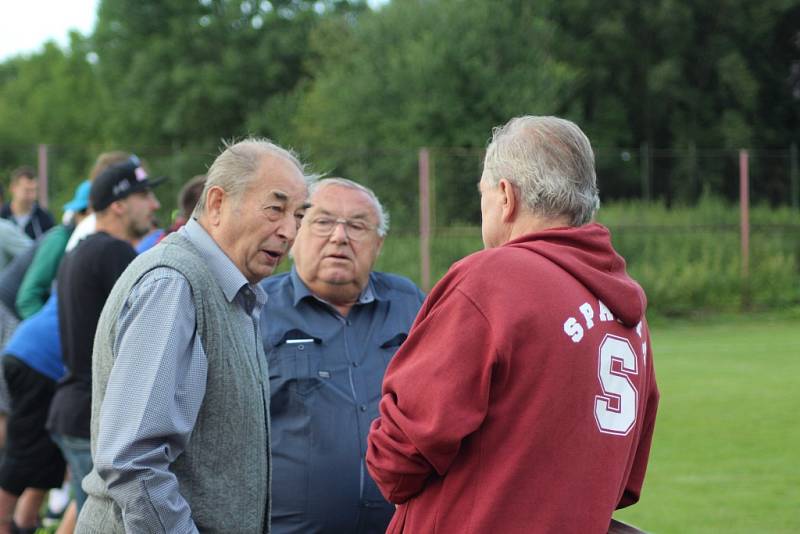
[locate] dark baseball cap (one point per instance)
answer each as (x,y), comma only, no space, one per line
(118,181)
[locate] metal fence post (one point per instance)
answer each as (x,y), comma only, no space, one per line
(424,218)
(42,173)
(744,212)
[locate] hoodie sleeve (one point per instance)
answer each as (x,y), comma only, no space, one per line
(435,393)
(35,288)
(633,487)
(13,242)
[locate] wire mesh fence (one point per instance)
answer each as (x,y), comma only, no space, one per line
(674,214)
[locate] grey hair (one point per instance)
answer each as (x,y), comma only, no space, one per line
(237,165)
(551,161)
(383,215)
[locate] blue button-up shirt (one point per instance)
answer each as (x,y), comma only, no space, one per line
(326,372)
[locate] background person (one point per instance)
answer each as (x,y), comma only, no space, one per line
(10,278)
(38,346)
(34,291)
(32,463)
(188,197)
(180,411)
(20,251)
(152,237)
(23,209)
(123,204)
(524,399)
(36,285)
(25,285)
(87,226)
(27,280)
(13,244)
(330,327)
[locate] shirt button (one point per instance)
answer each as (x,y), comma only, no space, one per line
(363,407)
(355,364)
(301,347)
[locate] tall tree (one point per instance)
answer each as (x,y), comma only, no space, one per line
(419,73)
(678,74)
(193,71)
(52,97)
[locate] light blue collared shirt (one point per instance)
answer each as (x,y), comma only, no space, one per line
(157,385)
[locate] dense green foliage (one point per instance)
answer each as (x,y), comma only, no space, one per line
(689,260)
(686,258)
(722,459)
(359,89)
(182,73)
(667,91)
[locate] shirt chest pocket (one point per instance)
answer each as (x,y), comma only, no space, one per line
(295,368)
(391,345)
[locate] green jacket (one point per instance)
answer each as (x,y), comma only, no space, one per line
(35,288)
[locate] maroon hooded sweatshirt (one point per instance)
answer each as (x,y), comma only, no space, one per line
(524,398)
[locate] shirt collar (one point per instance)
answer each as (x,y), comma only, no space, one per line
(228,276)
(301,290)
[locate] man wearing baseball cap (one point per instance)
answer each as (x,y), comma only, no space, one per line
(31,365)
(123,203)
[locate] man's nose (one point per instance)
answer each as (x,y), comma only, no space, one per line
(339,232)
(287,229)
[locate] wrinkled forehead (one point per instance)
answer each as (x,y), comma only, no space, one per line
(341,201)
(278,180)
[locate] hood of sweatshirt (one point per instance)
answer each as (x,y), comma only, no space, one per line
(586,253)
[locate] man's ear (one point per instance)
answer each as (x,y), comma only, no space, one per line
(118,207)
(511,199)
(214,200)
(380,246)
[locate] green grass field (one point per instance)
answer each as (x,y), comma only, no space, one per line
(726,453)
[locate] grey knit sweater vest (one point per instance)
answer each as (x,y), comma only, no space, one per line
(224,473)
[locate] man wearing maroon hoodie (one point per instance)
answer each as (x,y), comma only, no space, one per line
(524,398)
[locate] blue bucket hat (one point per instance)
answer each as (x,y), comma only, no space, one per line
(81,199)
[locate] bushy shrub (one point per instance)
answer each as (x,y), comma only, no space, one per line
(688,259)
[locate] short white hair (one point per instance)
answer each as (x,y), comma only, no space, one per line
(383,215)
(237,165)
(551,161)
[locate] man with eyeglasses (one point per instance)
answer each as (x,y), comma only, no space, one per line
(329,329)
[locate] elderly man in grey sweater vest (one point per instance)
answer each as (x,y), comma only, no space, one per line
(180,387)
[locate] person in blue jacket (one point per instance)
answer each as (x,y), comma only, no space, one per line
(32,365)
